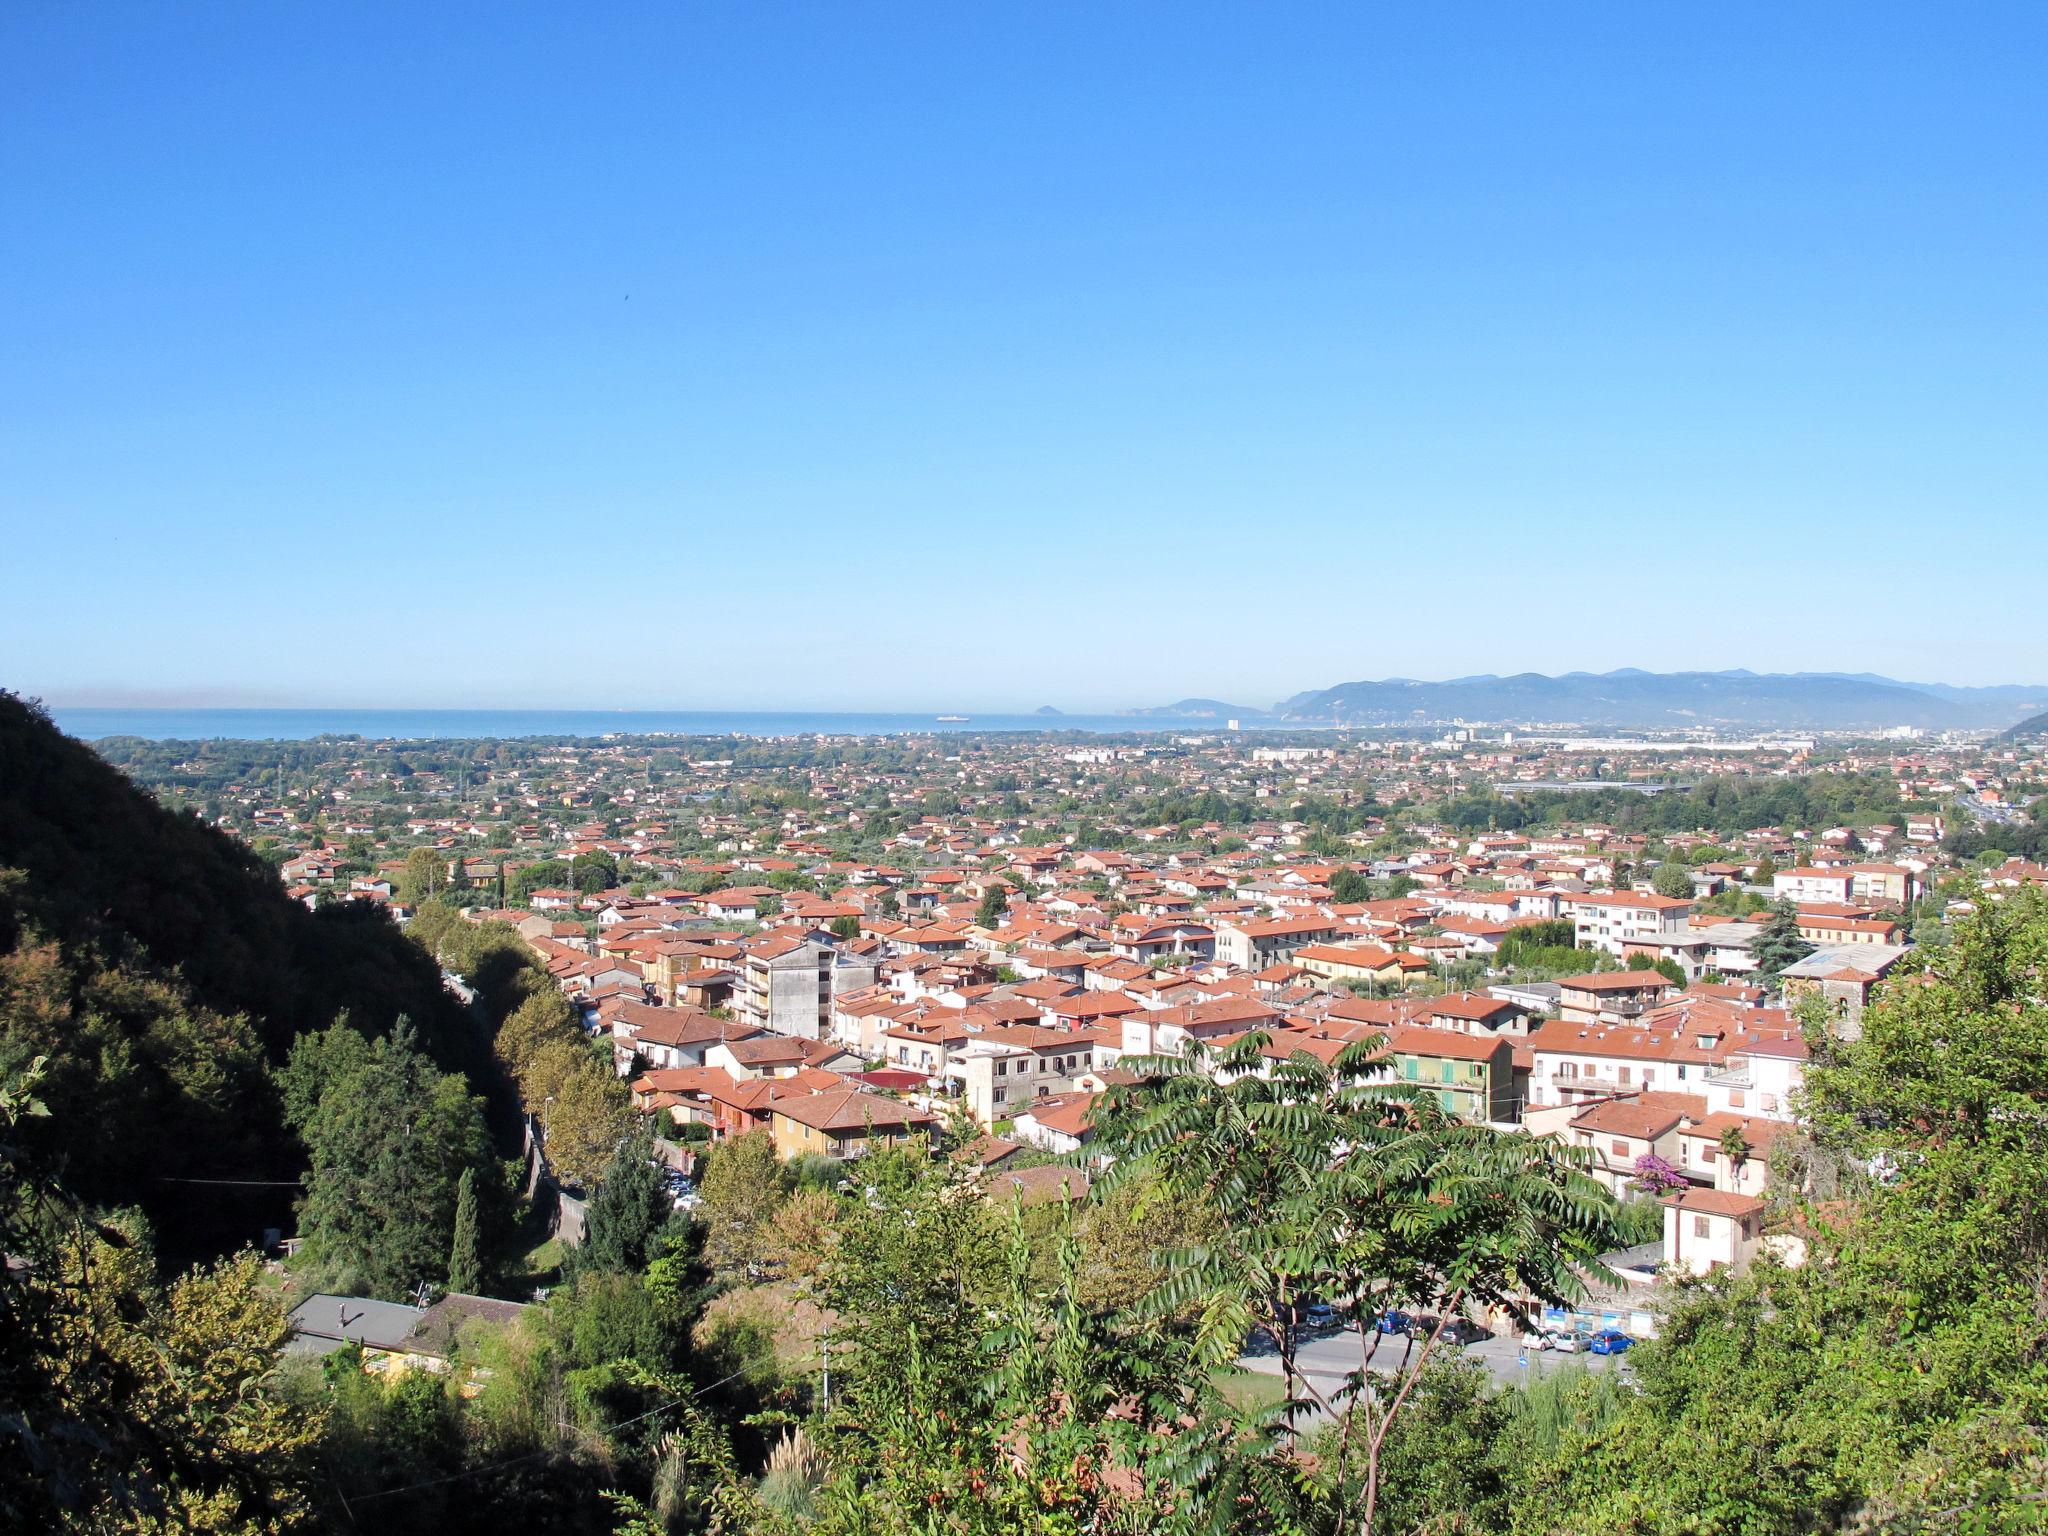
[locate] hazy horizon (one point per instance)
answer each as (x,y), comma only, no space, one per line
(205,699)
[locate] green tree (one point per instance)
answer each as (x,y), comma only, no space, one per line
(1893,1381)
(593,872)
(846,928)
(1328,1186)
(126,1405)
(465,1251)
(585,1117)
(389,1138)
(739,1193)
(1777,943)
(995,906)
(543,1019)
(1348,886)
(426,873)
(629,1211)
(1672,879)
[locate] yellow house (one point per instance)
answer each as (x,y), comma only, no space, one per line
(844,1123)
(1359,962)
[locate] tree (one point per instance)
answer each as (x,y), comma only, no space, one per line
(846,928)
(1671,879)
(545,874)
(1892,1381)
(1669,969)
(465,1252)
(995,906)
(739,1193)
(1734,1146)
(1349,886)
(544,1019)
(628,1212)
(426,873)
(585,1118)
(389,1139)
(127,1405)
(1327,1186)
(593,872)
(1777,944)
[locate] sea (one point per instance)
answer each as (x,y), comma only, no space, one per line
(97,724)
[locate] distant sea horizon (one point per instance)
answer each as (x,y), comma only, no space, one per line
(201,724)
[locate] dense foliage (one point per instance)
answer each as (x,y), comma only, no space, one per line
(163,972)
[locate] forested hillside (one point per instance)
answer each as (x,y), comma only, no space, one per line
(162,970)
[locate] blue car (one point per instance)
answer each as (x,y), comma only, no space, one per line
(1609,1341)
(1394,1322)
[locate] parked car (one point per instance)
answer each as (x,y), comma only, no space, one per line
(1536,1338)
(1567,1343)
(1462,1331)
(1320,1315)
(1609,1341)
(1395,1322)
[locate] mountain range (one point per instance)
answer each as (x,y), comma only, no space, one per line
(1630,698)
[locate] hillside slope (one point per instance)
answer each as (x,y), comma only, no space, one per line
(160,966)
(2037,725)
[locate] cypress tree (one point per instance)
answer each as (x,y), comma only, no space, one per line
(465,1254)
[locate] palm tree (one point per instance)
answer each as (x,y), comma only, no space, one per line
(1734,1147)
(1329,1186)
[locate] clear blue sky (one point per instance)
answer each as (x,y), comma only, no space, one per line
(863,355)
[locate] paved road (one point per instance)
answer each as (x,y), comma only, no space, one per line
(1326,1358)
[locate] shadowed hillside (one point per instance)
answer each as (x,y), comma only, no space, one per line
(160,966)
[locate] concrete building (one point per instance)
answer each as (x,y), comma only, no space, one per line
(786,986)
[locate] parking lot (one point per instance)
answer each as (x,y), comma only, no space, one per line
(1326,1357)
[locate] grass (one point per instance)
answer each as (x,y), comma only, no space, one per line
(1247,1389)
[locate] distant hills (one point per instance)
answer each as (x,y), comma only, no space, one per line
(1202,709)
(1629,698)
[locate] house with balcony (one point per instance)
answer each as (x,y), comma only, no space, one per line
(785,986)
(1621,1131)
(1610,997)
(1615,920)
(1006,1069)
(1746,1061)
(1252,946)
(846,1123)
(1472,1076)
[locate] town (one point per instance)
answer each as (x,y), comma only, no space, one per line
(849,943)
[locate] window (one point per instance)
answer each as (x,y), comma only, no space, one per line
(1701,1227)
(1618,1148)
(1737,1099)
(1625,1074)
(1450,1072)
(1707,1153)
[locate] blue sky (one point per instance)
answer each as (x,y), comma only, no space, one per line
(863,355)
